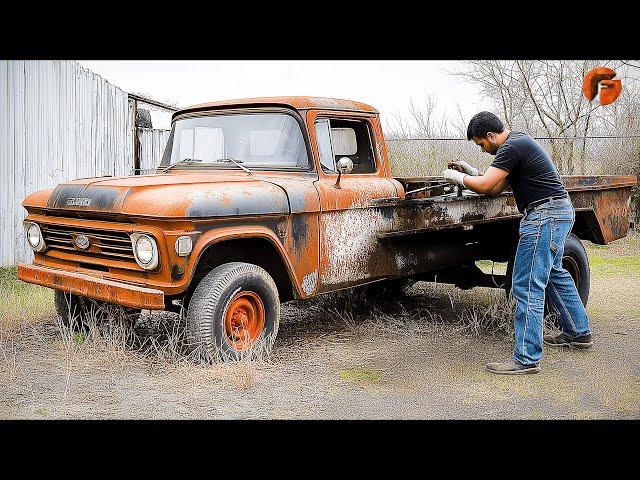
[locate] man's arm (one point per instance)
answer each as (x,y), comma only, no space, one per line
(491,183)
(498,189)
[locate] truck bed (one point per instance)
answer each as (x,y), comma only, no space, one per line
(602,205)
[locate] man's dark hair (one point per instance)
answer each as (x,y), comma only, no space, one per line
(483,123)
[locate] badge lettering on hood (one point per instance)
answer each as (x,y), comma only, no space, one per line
(78,202)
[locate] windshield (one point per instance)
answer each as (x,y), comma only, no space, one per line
(262,140)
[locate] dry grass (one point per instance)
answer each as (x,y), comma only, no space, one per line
(332,353)
(22,302)
(425,309)
(236,375)
(111,340)
(160,340)
(23,306)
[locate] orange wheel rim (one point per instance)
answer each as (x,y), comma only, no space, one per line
(244,320)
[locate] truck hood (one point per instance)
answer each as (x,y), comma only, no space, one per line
(168,196)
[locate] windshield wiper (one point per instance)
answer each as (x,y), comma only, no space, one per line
(184,160)
(235,162)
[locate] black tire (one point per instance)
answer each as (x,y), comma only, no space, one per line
(209,306)
(576,262)
(79,313)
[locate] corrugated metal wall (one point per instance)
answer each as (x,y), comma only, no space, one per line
(152,143)
(59,121)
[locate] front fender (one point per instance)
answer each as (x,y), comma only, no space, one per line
(213,237)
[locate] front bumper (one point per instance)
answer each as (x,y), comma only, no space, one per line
(93,287)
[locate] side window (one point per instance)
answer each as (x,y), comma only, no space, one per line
(323,138)
(345,138)
(351,138)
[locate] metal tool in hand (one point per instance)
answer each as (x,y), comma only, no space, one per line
(430,187)
(455,166)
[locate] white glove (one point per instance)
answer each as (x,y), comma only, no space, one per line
(468,169)
(454,176)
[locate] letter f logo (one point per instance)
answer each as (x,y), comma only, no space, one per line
(609,89)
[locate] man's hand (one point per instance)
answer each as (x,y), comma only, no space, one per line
(453,176)
(462,166)
(491,183)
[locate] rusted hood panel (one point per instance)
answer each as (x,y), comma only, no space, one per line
(171,196)
(301,192)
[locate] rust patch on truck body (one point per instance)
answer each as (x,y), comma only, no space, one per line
(88,286)
(608,197)
(605,202)
(178,196)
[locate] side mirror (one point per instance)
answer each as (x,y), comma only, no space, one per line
(344,165)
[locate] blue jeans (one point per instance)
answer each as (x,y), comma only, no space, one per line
(538,270)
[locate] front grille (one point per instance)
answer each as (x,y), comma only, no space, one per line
(102,243)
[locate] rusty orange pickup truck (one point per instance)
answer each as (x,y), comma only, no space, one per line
(261,201)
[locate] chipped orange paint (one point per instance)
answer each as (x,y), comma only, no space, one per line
(90,286)
(326,238)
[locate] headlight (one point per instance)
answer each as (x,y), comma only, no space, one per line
(34,236)
(145,250)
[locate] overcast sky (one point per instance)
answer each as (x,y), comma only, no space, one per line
(386,85)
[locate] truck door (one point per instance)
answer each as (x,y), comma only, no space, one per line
(350,253)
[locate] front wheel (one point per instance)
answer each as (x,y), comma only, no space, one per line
(576,262)
(234,313)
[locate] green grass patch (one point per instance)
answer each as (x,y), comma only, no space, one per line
(22,300)
(42,412)
(616,266)
(595,246)
(499,268)
(8,276)
(354,375)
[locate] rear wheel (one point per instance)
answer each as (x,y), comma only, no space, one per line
(576,262)
(234,313)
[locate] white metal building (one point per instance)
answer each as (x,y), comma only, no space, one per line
(60,121)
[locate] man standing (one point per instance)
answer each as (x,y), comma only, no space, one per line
(548,216)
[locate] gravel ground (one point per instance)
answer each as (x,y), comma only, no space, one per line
(420,356)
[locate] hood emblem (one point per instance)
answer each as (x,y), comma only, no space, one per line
(78,202)
(82,242)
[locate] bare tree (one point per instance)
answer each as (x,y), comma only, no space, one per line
(421,121)
(459,124)
(631,63)
(543,98)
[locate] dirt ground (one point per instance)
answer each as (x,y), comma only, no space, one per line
(420,356)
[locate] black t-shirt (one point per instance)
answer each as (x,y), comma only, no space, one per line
(532,174)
